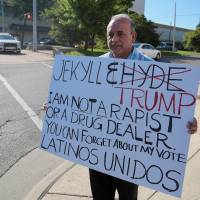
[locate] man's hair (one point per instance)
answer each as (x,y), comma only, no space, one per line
(123,16)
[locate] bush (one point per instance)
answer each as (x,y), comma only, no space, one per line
(192,40)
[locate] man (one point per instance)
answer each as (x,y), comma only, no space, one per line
(120,38)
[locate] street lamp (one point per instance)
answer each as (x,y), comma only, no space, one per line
(2,14)
(174,29)
(34,25)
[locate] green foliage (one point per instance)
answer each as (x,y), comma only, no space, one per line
(101,43)
(77,20)
(187,40)
(145,29)
(82,52)
(192,40)
(19,7)
(195,40)
(65,25)
(198,25)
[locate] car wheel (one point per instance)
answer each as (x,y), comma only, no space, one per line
(158,56)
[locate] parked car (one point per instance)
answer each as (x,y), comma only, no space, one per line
(9,44)
(27,43)
(165,46)
(47,41)
(148,50)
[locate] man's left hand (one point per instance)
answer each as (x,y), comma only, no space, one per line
(192,126)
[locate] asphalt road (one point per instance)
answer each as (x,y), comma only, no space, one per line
(189,59)
(18,134)
(29,76)
(24,82)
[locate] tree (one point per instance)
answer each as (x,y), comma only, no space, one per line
(22,9)
(19,7)
(145,29)
(77,20)
(65,25)
(83,20)
(195,40)
(198,25)
(192,40)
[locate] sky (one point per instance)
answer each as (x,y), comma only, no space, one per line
(162,12)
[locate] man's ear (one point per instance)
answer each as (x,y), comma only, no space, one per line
(134,36)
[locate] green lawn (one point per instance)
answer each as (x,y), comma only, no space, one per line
(82,52)
(180,53)
(98,52)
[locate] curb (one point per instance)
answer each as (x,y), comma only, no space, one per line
(46,52)
(40,190)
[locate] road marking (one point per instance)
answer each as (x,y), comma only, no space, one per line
(47,65)
(24,105)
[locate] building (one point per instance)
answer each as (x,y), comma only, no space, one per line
(165,32)
(23,28)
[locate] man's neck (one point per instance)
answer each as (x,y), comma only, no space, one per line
(125,56)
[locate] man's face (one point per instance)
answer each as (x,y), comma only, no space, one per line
(120,38)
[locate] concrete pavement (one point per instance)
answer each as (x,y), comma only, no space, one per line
(27,56)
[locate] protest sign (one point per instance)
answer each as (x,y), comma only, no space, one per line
(122,117)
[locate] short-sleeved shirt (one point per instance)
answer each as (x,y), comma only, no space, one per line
(134,55)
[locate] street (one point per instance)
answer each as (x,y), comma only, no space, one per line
(18,134)
(24,82)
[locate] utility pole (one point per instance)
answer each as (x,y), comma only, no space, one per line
(34,25)
(3,16)
(174,29)
(170,30)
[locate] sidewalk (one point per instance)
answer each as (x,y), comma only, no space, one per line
(27,56)
(73,184)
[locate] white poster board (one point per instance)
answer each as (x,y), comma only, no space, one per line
(121,117)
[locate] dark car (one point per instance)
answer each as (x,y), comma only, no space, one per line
(168,46)
(41,42)
(47,41)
